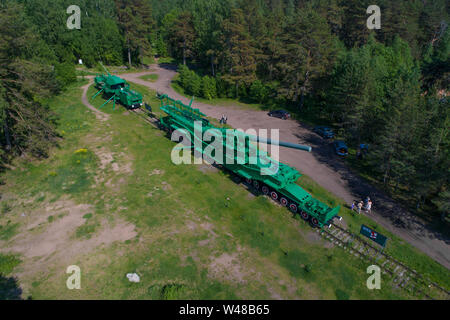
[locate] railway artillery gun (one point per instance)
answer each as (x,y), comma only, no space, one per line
(243,158)
(117,89)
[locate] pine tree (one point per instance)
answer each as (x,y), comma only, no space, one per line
(239,54)
(307,51)
(182,36)
(135,20)
(26,125)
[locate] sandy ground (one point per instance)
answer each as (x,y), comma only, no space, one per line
(321,165)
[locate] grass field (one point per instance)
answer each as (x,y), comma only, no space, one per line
(109,200)
(150,77)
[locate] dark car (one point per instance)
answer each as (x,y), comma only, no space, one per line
(324,132)
(282,114)
(340,148)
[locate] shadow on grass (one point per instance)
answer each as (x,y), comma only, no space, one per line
(9,289)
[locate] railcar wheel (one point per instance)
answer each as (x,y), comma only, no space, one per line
(315,222)
(265,190)
(248,181)
(284,202)
(274,195)
(305,215)
(293,207)
(256,184)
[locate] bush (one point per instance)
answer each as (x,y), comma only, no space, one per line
(65,74)
(195,84)
(209,90)
(184,75)
(258,91)
(221,88)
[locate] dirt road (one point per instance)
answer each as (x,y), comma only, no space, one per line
(98,114)
(321,165)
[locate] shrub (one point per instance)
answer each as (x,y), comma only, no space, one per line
(209,90)
(195,84)
(258,91)
(65,74)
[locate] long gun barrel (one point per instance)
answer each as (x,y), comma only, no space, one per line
(105,68)
(281,143)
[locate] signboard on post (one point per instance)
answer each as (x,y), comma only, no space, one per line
(373,235)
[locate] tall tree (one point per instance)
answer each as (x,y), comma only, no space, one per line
(182,35)
(307,52)
(26,125)
(136,21)
(239,54)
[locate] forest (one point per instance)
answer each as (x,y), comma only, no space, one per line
(386,87)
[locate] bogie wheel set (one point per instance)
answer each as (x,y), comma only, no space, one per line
(284,201)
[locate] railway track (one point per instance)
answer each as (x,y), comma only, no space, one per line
(402,276)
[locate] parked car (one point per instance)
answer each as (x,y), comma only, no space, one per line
(340,148)
(282,114)
(324,132)
(362,151)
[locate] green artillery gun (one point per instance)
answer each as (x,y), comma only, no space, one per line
(117,89)
(246,160)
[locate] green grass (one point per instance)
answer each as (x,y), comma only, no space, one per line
(86,230)
(150,77)
(5,207)
(168,60)
(8,263)
(148,60)
(188,222)
(8,230)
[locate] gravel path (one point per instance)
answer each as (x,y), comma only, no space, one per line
(98,114)
(321,165)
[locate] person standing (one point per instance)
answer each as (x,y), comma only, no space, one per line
(369,206)
(360,205)
(353,207)
(225,119)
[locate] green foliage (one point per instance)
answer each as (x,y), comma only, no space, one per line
(72,177)
(209,90)
(87,216)
(342,295)
(8,263)
(258,91)
(6,207)
(86,230)
(65,74)
(8,231)
(136,22)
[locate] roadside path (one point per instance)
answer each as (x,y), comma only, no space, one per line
(321,165)
(98,114)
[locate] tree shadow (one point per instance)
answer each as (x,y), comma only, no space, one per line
(168,66)
(9,288)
